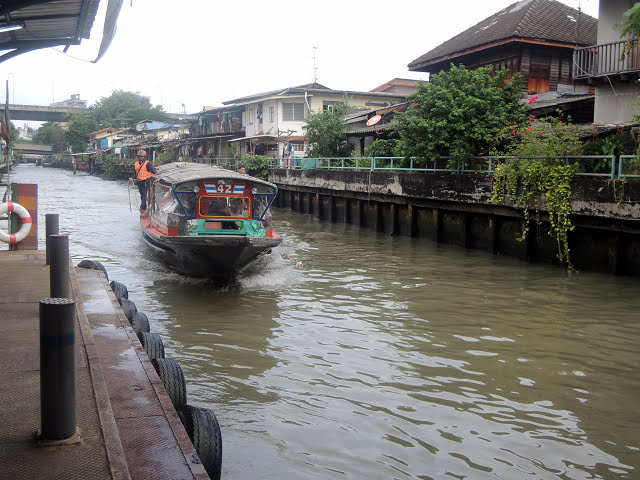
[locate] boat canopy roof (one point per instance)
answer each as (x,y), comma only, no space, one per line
(180,172)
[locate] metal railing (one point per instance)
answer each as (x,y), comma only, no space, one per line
(628,167)
(588,165)
(229,163)
(610,166)
(606,59)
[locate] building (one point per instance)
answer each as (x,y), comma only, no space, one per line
(535,38)
(26,133)
(73,101)
(274,122)
(212,130)
(612,65)
(103,139)
(400,86)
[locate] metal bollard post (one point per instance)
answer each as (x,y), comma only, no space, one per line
(59,276)
(57,368)
(52,228)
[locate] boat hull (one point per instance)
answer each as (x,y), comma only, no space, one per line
(219,257)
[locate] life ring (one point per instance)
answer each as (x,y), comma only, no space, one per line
(26,222)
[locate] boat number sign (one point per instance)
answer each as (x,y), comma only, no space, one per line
(236,189)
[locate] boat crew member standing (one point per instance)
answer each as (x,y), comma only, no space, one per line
(144,170)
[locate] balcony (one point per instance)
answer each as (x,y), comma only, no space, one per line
(606,60)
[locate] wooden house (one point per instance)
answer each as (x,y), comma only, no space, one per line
(536,38)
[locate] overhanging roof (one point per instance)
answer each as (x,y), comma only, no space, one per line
(529,21)
(50,23)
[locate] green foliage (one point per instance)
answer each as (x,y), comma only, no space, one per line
(17,157)
(631,23)
(119,110)
(618,144)
(125,109)
(15,133)
(327,132)
(257,165)
(630,27)
(538,176)
(460,112)
(109,166)
(165,157)
(381,148)
(81,124)
(50,133)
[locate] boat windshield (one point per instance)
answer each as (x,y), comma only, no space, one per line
(224,206)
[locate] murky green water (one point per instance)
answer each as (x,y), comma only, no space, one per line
(383,357)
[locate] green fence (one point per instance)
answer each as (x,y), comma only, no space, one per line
(609,166)
(588,165)
(628,167)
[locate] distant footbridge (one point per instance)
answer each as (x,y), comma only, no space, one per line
(43,113)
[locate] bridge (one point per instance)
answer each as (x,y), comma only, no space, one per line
(43,113)
(33,148)
(39,113)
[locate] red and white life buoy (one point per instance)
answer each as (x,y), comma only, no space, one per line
(26,222)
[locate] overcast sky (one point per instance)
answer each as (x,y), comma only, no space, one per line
(204,52)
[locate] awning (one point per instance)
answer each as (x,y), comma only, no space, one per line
(110,23)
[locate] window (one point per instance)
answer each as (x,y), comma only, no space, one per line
(330,105)
(293,112)
(271,111)
(251,116)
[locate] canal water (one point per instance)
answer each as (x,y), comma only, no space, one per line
(382,357)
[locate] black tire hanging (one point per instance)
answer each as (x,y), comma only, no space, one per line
(119,289)
(140,323)
(93,265)
(128,307)
(203,429)
(152,344)
(172,378)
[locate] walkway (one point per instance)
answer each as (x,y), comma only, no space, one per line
(128,427)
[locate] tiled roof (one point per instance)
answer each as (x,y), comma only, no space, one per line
(540,20)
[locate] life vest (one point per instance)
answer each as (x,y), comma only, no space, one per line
(142,172)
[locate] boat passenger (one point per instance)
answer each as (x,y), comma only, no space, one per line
(144,170)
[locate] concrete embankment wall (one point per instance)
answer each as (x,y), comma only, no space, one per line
(457,209)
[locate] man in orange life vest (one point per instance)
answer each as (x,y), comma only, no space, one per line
(144,169)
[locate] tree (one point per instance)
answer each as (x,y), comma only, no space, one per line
(125,109)
(327,132)
(50,133)
(15,133)
(630,27)
(459,112)
(81,124)
(120,109)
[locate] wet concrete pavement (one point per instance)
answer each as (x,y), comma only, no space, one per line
(127,426)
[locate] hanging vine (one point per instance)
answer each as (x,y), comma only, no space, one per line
(536,176)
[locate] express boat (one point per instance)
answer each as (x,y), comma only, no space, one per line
(207,221)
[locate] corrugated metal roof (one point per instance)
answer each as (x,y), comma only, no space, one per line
(179,172)
(45,23)
(308,89)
